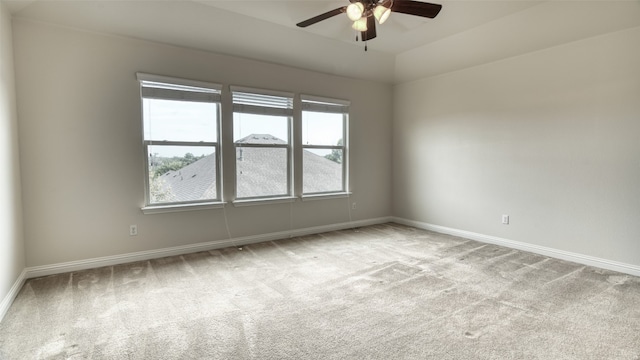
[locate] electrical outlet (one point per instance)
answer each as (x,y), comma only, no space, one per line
(353,206)
(133,230)
(505,219)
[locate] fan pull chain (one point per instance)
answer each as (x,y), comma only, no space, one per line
(365,46)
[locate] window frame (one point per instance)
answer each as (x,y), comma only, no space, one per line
(226,184)
(310,103)
(257,109)
(177,89)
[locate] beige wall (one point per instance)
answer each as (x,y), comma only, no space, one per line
(82,158)
(551,138)
(12,257)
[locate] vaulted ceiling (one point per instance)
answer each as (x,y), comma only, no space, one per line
(464,34)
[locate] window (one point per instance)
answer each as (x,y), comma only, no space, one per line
(182,141)
(262,141)
(181,121)
(324,144)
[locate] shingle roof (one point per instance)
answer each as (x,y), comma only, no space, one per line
(260,139)
(196,181)
(260,172)
(320,173)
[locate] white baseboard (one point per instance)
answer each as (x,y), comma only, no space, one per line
(13,292)
(45,270)
(37,271)
(551,252)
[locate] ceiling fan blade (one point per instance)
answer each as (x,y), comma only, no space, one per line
(417,8)
(321,17)
(371,29)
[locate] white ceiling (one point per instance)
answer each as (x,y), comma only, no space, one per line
(464,34)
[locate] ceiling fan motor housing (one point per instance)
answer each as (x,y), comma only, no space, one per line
(364,13)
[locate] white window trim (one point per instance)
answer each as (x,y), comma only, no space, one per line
(300,103)
(214,96)
(259,110)
(325,196)
(264,201)
(160,209)
(320,104)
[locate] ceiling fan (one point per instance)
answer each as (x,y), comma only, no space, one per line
(364,14)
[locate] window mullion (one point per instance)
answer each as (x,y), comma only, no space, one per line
(179,143)
(274,163)
(283,146)
(323,147)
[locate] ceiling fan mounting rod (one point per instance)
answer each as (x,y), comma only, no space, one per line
(370,5)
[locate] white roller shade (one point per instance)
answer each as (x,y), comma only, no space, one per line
(317,104)
(168,88)
(246,101)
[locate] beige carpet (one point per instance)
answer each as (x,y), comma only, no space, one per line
(380,292)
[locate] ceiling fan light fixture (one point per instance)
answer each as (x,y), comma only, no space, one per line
(360,24)
(381,13)
(355,11)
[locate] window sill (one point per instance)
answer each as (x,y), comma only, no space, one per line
(159,209)
(266,201)
(325,196)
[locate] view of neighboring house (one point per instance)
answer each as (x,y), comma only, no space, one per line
(260,172)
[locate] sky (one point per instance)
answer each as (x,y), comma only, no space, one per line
(195,121)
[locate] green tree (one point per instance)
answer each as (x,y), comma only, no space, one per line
(336,154)
(172,165)
(158,191)
(164,165)
(189,158)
